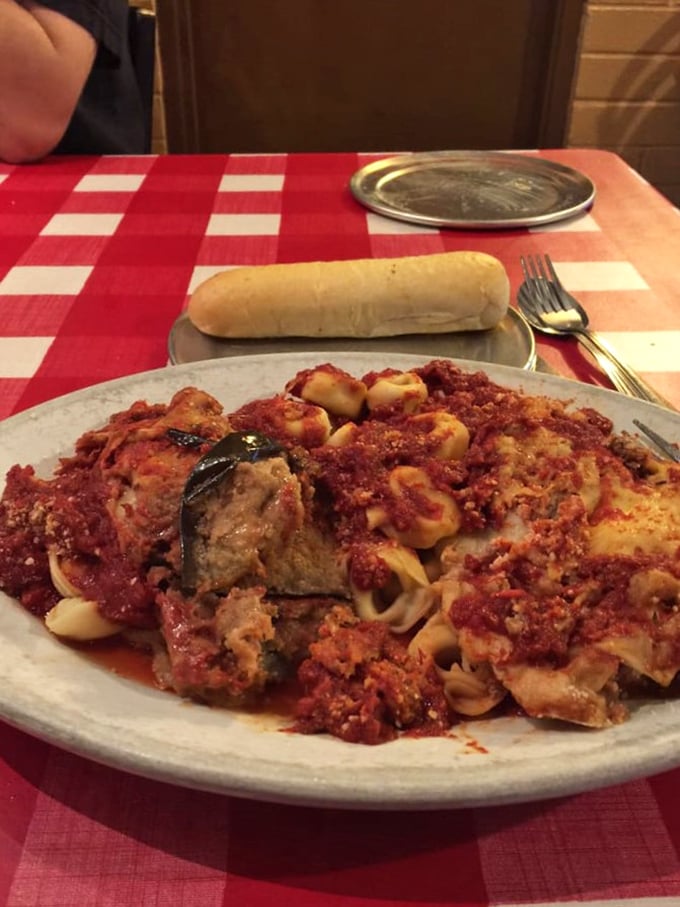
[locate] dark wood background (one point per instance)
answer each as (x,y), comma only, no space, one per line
(367,75)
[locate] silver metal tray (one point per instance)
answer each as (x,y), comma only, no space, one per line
(509,343)
(472,189)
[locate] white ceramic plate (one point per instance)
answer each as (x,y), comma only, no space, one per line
(57,694)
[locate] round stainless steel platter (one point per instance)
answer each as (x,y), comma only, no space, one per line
(472,189)
(510,343)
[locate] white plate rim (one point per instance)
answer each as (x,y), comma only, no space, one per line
(53,693)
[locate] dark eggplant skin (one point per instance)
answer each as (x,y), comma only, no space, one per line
(212,469)
(185,438)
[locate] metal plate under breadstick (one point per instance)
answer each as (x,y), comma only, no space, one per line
(511,342)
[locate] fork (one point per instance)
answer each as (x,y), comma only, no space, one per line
(670,450)
(548,307)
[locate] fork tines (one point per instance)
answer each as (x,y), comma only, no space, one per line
(536,281)
(537,267)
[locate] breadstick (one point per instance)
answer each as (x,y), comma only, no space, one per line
(371,297)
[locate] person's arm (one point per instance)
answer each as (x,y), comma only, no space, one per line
(45,59)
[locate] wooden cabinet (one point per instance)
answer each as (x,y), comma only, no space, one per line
(367,75)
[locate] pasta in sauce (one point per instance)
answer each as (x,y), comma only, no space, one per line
(412,549)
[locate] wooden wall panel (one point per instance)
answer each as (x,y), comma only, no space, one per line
(335,75)
(627,91)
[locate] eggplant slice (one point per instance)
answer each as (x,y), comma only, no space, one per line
(248,519)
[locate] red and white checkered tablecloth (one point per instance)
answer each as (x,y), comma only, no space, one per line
(97,257)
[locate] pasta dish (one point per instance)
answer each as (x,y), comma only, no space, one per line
(399,551)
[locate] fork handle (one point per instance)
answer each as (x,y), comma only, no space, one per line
(622,376)
(611,369)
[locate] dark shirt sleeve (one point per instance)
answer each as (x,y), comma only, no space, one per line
(105,20)
(109,117)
